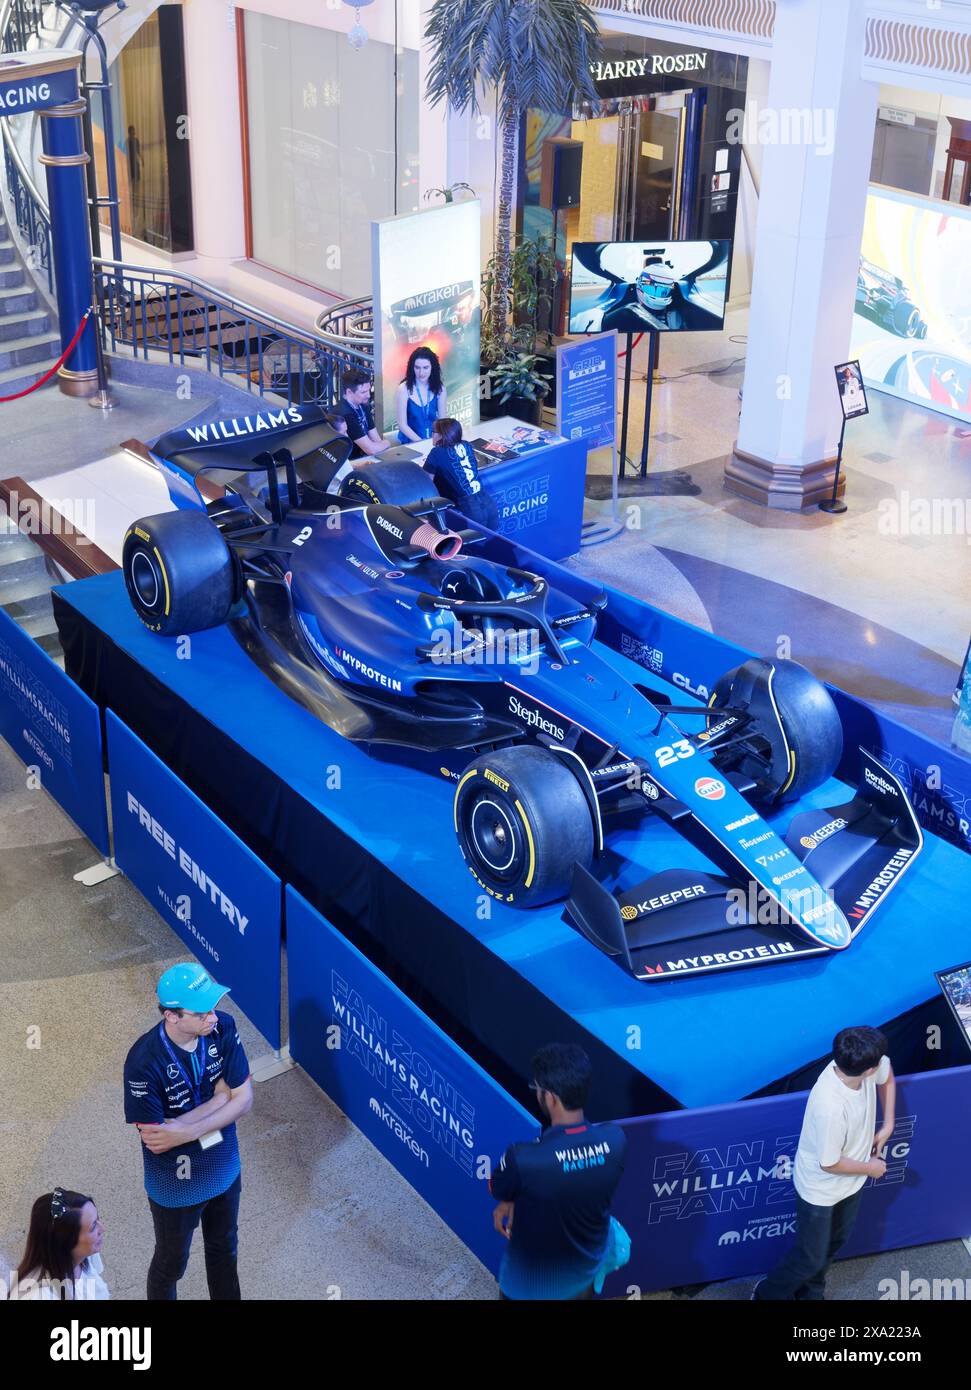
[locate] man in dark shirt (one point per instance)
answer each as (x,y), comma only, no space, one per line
(355,407)
(187,1081)
(555,1193)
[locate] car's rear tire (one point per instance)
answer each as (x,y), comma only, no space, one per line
(907,319)
(811,722)
(179,572)
(391,483)
(523,823)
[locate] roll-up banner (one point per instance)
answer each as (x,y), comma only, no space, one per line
(55,729)
(434,1113)
(202,881)
(426,294)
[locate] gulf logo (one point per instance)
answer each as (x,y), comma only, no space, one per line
(710,788)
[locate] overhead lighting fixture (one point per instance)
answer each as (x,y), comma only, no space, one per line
(357,36)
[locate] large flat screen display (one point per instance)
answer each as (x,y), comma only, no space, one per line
(956,985)
(912,325)
(671,286)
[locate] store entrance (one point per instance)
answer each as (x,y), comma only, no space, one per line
(648,150)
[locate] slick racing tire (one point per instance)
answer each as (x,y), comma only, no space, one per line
(395,483)
(811,724)
(179,572)
(907,320)
(523,822)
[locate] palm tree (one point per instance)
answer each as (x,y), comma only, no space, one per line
(535,53)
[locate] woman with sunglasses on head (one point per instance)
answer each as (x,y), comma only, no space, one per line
(421,397)
(63,1255)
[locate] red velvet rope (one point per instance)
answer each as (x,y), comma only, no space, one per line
(633,345)
(57,365)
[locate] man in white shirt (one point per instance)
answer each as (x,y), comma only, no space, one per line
(839,1148)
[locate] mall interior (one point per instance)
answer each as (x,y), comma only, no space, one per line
(749,224)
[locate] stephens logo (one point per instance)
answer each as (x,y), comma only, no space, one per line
(711,789)
(534,720)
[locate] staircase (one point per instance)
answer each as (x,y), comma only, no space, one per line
(25,588)
(28,341)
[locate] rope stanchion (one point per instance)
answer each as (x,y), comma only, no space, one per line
(632,346)
(57,365)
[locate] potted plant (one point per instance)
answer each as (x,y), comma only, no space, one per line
(517,386)
(533,54)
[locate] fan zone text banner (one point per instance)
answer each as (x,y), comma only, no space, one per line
(202,881)
(432,1111)
(55,729)
(707,1194)
(425,273)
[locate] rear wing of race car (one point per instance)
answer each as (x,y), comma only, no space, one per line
(685,922)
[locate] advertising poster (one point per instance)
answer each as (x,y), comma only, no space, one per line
(54,729)
(586,390)
(202,881)
(432,1111)
(707,1194)
(426,294)
(849,379)
(912,323)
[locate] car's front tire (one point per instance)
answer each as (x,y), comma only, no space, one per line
(523,823)
(179,572)
(389,483)
(810,721)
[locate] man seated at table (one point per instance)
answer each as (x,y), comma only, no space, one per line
(355,407)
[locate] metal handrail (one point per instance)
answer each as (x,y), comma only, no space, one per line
(146,310)
(349,324)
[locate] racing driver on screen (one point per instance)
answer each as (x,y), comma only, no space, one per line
(664,295)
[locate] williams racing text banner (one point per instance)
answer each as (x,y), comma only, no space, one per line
(204,883)
(707,1194)
(433,1113)
(55,729)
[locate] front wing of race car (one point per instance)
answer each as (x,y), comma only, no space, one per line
(686,922)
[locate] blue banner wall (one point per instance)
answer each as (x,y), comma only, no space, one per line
(707,1194)
(431,1111)
(203,881)
(53,726)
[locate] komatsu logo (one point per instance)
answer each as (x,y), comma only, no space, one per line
(534,720)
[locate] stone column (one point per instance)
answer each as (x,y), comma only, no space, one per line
(818,136)
(213,98)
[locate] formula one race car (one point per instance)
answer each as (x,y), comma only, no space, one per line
(373,613)
(885,299)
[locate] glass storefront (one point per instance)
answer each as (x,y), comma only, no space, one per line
(151,148)
(333,145)
(655,161)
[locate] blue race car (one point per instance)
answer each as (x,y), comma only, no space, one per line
(350,590)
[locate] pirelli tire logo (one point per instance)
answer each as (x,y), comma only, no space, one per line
(494,777)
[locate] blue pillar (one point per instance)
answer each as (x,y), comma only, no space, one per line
(64,158)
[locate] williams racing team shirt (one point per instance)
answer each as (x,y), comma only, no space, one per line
(562,1185)
(162,1082)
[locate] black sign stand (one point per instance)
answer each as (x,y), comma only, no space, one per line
(648,397)
(626,409)
(833,504)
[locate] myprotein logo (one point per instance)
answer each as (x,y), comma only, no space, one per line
(533,719)
(869,898)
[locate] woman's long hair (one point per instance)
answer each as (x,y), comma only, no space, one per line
(51,1238)
(435,376)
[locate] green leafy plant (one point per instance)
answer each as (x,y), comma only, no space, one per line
(516,375)
(532,268)
(534,53)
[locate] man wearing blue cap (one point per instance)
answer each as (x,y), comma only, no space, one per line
(187,1081)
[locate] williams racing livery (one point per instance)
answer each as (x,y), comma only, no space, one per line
(396,631)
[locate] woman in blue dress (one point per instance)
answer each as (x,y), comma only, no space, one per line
(421,397)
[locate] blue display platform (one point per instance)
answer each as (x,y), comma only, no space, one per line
(315,808)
